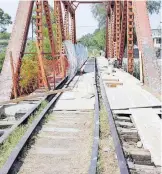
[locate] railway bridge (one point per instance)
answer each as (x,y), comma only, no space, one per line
(89,116)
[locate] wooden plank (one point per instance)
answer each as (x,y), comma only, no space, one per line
(35,95)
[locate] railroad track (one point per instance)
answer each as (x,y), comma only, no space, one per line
(63,131)
(15,112)
(64,138)
(132,157)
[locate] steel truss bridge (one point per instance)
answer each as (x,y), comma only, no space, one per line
(121,20)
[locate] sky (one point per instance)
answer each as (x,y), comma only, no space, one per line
(85,21)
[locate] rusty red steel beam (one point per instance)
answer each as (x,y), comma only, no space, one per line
(66,22)
(49,26)
(61,22)
(123,32)
(112,23)
(39,44)
(130,44)
(58,27)
(118,16)
(68,3)
(107,6)
(73,28)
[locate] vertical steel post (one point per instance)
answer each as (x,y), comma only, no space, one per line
(73,28)
(123,32)
(51,37)
(130,25)
(39,23)
(118,16)
(66,22)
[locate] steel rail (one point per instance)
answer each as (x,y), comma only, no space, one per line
(16,151)
(27,115)
(94,157)
(118,147)
(18,148)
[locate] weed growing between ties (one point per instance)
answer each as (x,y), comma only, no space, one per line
(107,162)
(9,144)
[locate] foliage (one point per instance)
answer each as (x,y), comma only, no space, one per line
(14,138)
(94,42)
(4,36)
(5,20)
(29,72)
(153,6)
(29,68)
(2,57)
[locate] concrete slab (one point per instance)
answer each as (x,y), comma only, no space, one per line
(130,94)
(12,110)
(51,129)
(45,135)
(149,128)
(7,123)
(77,104)
(50,151)
(126,111)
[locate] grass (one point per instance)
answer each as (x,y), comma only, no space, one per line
(13,139)
(107,162)
(104,127)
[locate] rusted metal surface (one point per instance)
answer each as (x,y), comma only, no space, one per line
(152,70)
(51,36)
(123,32)
(66,22)
(130,43)
(73,29)
(39,44)
(61,22)
(58,27)
(118,16)
(49,24)
(16,45)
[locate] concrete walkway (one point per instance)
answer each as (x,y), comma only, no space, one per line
(128,96)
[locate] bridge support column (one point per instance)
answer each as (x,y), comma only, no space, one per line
(123,32)
(39,44)
(66,22)
(130,25)
(73,28)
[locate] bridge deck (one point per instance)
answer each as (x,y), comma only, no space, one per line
(129,97)
(63,145)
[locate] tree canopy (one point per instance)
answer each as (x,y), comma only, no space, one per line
(5,20)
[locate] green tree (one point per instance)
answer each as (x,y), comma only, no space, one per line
(95,40)
(2,56)
(5,20)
